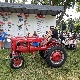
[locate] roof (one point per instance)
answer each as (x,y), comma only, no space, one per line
(30,8)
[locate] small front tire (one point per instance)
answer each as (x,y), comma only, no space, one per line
(16,62)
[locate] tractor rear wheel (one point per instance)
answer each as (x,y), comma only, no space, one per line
(16,62)
(41,52)
(56,56)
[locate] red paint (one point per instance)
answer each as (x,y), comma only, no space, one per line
(26,15)
(17,62)
(56,56)
(29,47)
(2,23)
(40,16)
(9,23)
(9,13)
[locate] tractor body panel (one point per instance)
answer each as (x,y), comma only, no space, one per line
(25,44)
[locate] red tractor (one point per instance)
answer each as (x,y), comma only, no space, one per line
(52,52)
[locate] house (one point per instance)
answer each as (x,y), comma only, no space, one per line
(19,19)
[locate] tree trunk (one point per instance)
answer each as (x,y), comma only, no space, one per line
(49,2)
(10,1)
(13,1)
(53,2)
(62,14)
(23,1)
(6,0)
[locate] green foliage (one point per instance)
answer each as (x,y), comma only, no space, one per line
(18,1)
(77,27)
(76,23)
(78,7)
(37,69)
(55,2)
(65,3)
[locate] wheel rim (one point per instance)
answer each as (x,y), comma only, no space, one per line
(57,57)
(17,62)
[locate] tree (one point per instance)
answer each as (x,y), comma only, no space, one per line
(23,1)
(6,0)
(78,7)
(77,28)
(65,3)
(77,25)
(11,1)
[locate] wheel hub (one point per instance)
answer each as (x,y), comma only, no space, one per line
(17,62)
(56,56)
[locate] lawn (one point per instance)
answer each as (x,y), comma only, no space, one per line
(37,69)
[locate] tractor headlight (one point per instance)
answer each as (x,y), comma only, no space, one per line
(18,43)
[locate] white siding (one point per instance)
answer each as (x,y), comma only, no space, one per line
(33,23)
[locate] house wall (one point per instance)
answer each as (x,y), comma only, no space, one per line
(17,24)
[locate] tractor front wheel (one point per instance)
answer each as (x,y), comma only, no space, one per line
(16,62)
(11,55)
(56,56)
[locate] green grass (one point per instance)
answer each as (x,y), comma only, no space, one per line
(37,69)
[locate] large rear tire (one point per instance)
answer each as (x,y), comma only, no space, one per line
(56,56)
